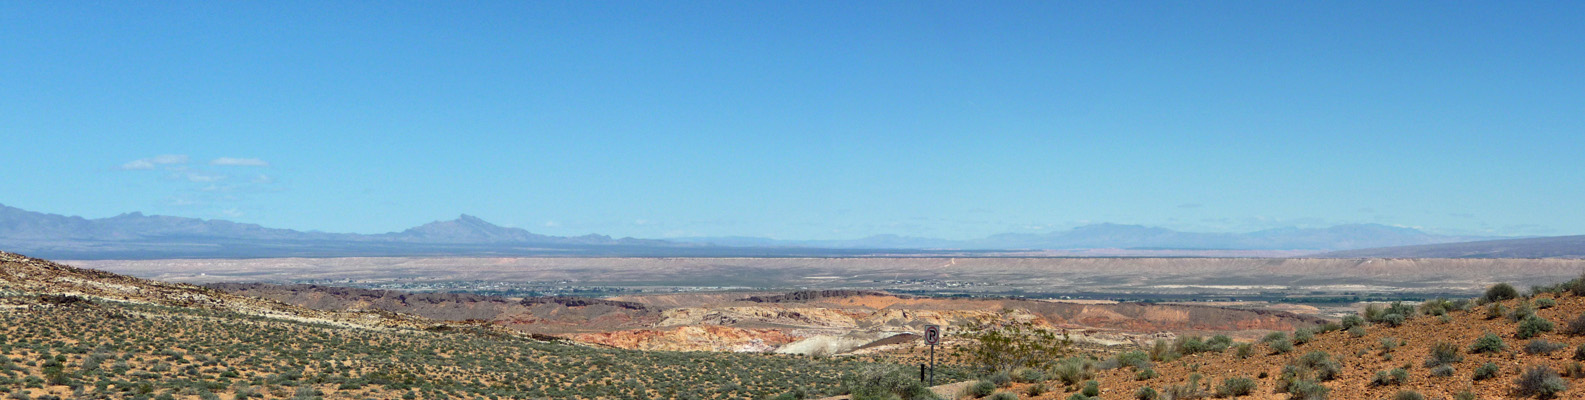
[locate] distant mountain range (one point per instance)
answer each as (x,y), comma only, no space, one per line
(138,236)
(1542,247)
(1137,237)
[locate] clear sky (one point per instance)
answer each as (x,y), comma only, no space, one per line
(800,119)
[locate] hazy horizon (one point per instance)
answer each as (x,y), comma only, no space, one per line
(806,121)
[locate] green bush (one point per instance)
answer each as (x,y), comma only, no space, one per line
(1443,353)
(1078,396)
(1145,393)
(1540,381)
(1542,346)
(1281,347)
(1003,396)
(1395,376)
(1393,319)
(1484,372)
(1532,326)
(1408,395)
(1465,395)
(1576,327)
(1146,373)
(1307,390)
(1303,335)
(980,389)
(1352,321)
(1521,311)
(1163,351)
(1028,375)
(1443,371)
(1500,292)
(1092,388)
(1488,343)
(1219,343)
(1579,353)
(1495,311)
(1234,387)
(1545,303)
(1001,379)
(1357,331)
(1072,370)
(1135,358)
(1243,350)
(1035,390)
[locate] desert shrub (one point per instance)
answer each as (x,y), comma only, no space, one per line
(1329,327)
(1443,353)
(1393,319)
(1219,343)
(1539,381)
(1443,371)
(1003,396)
(1484,372)
(1465,395)
(886,383)
(1145,393)
(1579,353)
(1274,337)
(1495,311)
(1000,343)
(1072,370)
(1576,327)
(1307,390)
(1146,373)
(1234,387)
(1352,321)
(1028,375)
(1545,303)
(1078,396)
(1388,344)
(1190,344)
(1001,379)
(1487,343)
(1163,351)
(1408,395)
(1500,292)
(1188,390)
(1282,347)
(1372,313)
(1398,307)
(1303,335)
(1136,358)
(980,389)
(1395,376)
(1532,326)
(1521,311)
(1091,388)
(1035,390)
(1437,306)
(1313,366)
(1243,350)
(1357,331)
(1575,370)
(1542,346)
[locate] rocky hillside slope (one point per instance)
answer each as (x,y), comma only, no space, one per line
(1478,352)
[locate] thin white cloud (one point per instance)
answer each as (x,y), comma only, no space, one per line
(263,179)
(240,162)
(202,177)
(151,162)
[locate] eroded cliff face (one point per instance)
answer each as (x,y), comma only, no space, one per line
(828,323)
(692,338)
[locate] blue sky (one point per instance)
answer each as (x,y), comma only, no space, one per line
(800,120)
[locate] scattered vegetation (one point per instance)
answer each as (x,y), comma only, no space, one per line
(1000,344)
(1539,381)
(1532,326)
(1234,387)
(1500,292)
(1488,343)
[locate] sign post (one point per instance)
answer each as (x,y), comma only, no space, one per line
(932,336)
